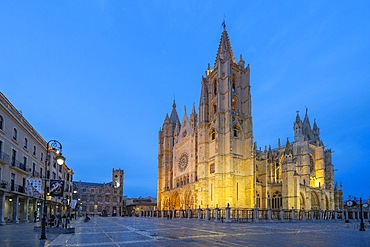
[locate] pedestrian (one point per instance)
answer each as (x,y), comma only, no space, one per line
(34,216)
(346,223)
(64,221)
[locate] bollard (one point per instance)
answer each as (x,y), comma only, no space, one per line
(281,214)
(269,214)
(303,214)
(228,213)
(217,211)
(207,213)
(255,214)
(199,213)
(189,213)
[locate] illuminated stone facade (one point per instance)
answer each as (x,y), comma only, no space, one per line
(101,198)
(23,156)
(211,160)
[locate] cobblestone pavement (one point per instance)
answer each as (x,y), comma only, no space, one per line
(117,231)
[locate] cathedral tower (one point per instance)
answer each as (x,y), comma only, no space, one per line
(225,164)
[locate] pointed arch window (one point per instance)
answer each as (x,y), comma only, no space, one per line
(258,200)
(236,131)
(213,134)
(215,87)
(233,83)
(276,200)
(214,106)
(234,101)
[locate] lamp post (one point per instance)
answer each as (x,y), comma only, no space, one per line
(362,225)
(55,146)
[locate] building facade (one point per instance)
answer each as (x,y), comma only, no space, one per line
(139,206)
(23,157)
(100,198)
(210,159)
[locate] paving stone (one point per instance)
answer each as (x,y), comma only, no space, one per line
(142,232)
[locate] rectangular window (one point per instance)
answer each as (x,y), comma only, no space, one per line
(14,155)
(40,172)
(12,181)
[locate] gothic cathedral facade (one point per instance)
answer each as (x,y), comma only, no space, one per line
(211,160)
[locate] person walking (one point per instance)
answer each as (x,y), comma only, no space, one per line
(34,216)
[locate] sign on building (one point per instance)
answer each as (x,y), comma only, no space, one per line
(56,188)
(34,187)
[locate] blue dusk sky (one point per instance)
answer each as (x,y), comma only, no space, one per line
(99,76)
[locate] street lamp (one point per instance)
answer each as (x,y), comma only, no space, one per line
(57,148)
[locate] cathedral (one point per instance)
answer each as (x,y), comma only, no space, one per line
(209,159)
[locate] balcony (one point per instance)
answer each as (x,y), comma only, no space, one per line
(18,188)
(4,184)
(35,174)
(4,158)
(20,166)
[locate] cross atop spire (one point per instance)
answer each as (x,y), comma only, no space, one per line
(223,24)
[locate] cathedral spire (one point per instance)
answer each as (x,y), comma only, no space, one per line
(166,120)
(174,118)
(193,115)
(224,48)
(306,127)
(288,148)
(185,117)
(203,104)
(316,131)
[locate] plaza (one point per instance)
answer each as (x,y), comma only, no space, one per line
(140,231)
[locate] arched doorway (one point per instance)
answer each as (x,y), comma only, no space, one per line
(315,202)
(189,200)
(175,201)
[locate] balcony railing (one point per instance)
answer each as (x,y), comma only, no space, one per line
(35,174)
(4,184)
(18,188)
(4,158)
(20,165)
